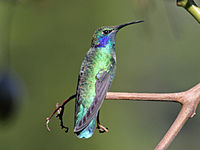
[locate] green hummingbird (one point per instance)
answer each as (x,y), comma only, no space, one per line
(95,78)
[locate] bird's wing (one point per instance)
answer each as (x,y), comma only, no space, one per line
(102,85)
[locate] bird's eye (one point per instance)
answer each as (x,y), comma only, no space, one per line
(106,31)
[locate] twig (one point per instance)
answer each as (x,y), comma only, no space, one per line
(189,100)
(60,110)
(191,7)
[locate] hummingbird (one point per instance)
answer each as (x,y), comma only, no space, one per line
(95,78)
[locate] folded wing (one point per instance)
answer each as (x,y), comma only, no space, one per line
(102,85)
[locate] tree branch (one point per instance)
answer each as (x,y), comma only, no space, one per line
(191,7)
(60,110)
(189,100)
(144,96)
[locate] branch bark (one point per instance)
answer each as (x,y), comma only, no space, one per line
(189,100)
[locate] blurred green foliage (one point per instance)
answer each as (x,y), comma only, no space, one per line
(48,39)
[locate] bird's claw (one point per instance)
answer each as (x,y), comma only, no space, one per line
(101,128)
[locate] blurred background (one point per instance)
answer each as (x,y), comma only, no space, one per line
(44,42)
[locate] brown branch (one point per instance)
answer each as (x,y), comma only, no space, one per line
(189,100)
(59,109)
(144,96)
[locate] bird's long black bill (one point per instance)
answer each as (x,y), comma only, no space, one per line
(126,24)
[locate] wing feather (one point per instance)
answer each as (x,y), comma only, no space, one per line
(102,86)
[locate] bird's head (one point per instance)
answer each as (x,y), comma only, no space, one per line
(106,35)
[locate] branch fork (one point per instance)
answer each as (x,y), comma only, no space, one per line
(189,100)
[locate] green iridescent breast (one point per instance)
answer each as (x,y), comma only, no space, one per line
(95,61)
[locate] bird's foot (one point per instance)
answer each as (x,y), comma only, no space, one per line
(101,128)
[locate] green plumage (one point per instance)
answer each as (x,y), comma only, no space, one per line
(94,62)
(95,78)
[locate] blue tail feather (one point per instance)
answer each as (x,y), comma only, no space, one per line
(89,130)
